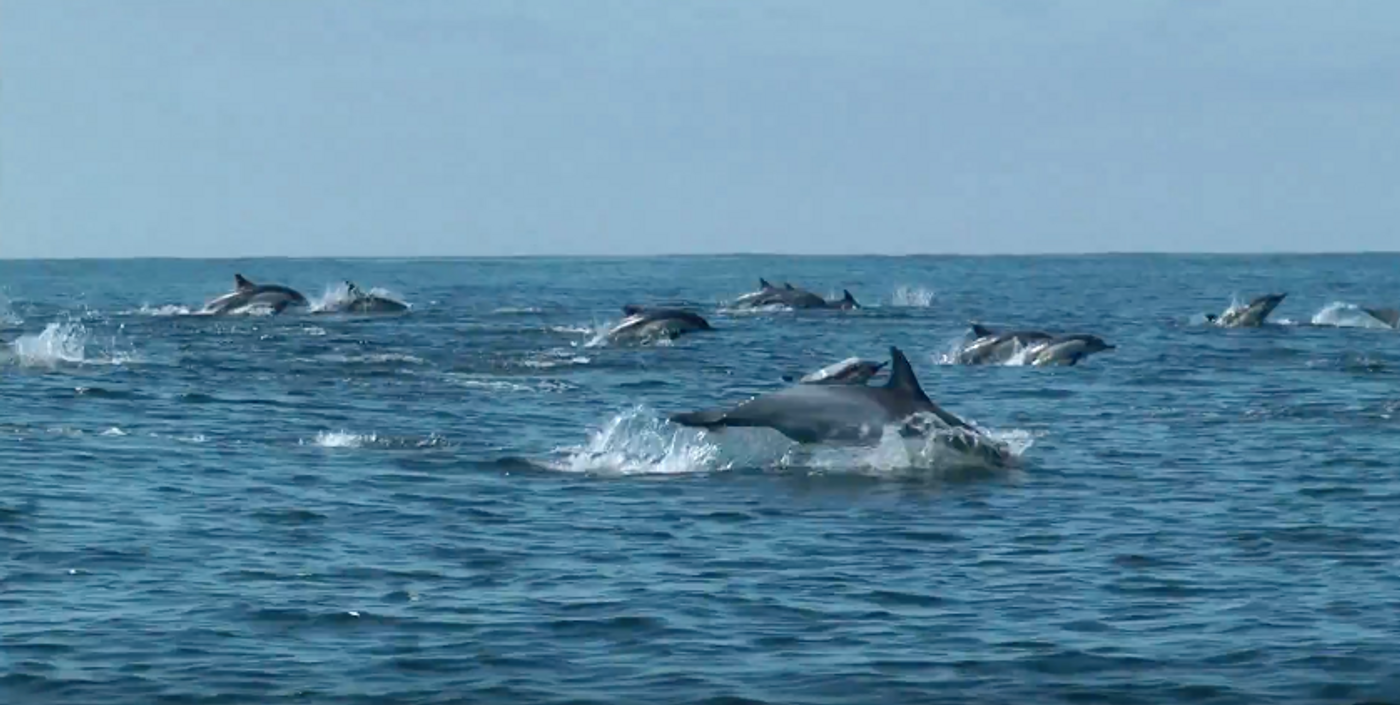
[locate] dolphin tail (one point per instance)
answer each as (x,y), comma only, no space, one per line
(848,299)
(981,331)
(240,283)
(711,419)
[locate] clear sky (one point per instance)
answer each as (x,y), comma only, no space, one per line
(217,128)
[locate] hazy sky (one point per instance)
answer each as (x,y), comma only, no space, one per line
(474,127)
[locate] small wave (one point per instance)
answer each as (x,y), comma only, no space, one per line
(343,439)
(374,359)
(912,297)
(347,439)
(755,310)
(495,384)
(556,358)
(166,310)
(517,310)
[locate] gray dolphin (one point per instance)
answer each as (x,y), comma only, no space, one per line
(246,293)
(851,370)
(792,297)
(360,302)
(991,346)
(644,323)
(1065,350)
(813,413)
(764,289)
(1248,316)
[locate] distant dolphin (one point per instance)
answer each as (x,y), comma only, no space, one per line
(1248,316)
(792,297)
(991,346)
(851,370)
(1065,350)
(360,302)
(246,294)
(644,323)
(814,413)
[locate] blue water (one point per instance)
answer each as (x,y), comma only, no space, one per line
(473,503)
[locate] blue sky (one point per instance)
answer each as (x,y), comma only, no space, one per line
(356,128)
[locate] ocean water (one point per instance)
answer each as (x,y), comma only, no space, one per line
(481,500)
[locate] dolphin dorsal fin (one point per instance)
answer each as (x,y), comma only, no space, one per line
(902,376)
(631,309)
(847,297)
(240,283)
(763,283)
(787,285)
(981,331)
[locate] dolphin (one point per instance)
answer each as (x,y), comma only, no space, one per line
(1249,316)
(360,302)
(764,289)
(246,293)
(793,297)
(644,323)
(851,370)
(814,413)
(1065,350)
(991,346)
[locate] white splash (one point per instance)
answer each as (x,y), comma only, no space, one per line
(1344,315)
(7,313)
(64,342)
(343,439)
(912,297)
(636,442)
(166,310)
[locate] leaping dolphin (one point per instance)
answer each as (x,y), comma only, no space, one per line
(851,370)
(361,302)
(245,294)
(1065,350)
(792,297)
(990,346)
(813,413)
(1251,315)
(644,323)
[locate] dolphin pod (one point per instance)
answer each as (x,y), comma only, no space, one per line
(835,403)
(1038,347)
(247,295)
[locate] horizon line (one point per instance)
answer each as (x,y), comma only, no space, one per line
(700,255)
